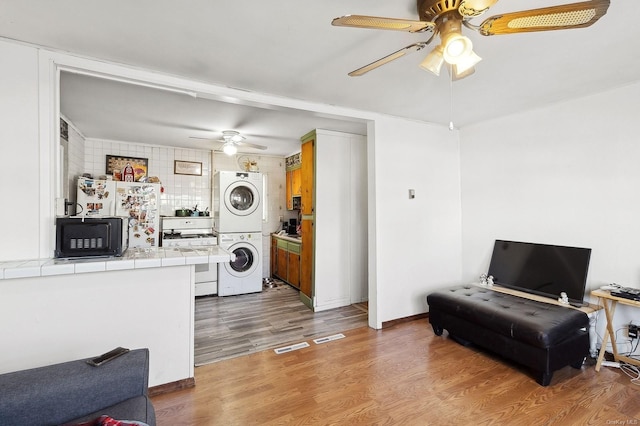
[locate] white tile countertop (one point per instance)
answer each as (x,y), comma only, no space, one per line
(134,258)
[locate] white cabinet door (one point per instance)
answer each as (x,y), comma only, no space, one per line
(340,218)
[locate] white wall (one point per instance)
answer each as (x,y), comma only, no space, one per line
(20,170)
(179,190)
(568,174)
(358,220)
(60,318)
(76,159)
(416,242)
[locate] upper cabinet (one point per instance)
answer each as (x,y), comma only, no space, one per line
(306,225)
(293,181)
(307,175)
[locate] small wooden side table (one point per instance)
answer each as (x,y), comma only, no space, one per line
(610,302)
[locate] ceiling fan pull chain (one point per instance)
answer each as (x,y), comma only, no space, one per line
(451,98)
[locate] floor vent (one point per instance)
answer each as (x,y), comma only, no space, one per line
(328,338)
(290,348)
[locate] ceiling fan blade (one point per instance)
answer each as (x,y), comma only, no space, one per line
(567,16)
(204,139)
(379,23)
(395,55)
(251,145)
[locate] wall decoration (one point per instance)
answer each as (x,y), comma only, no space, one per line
(294,161)
(187,168)
(64,129)
(115,164)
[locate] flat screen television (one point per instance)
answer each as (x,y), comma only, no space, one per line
(546,270)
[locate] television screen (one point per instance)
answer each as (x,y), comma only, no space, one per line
(542,269)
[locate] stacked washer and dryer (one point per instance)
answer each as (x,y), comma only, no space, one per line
(237,219)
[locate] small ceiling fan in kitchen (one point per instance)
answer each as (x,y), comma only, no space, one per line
(446,18)
(231,140)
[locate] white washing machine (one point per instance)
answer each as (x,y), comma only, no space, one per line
(237,205)
(244,275)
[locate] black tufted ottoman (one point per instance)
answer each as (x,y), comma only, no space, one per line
(538,335)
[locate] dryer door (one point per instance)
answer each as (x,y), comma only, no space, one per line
(241,198)
(247,260)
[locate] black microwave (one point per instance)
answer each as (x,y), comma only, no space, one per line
(84,236)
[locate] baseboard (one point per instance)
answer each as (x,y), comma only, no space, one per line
(306,300)
(387,324)
(172,386)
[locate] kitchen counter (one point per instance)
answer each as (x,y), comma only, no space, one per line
(134,258)
(288,238)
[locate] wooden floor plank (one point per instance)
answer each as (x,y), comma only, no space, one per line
(227,327)
(403,374)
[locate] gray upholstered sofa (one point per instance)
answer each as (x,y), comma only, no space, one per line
(74,392)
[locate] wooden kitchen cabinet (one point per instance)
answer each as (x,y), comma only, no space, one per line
(293,265)
(293,180)
(274,256)
(283,259)
(306,174)
(287,266)
(308,219)
(296,182)
(293,186)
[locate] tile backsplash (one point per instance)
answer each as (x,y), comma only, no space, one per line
(178,190)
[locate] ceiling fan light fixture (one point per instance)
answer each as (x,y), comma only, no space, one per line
(456,48)
(232,135)
(229,148)
(467,62)
(456,74)
(433,62)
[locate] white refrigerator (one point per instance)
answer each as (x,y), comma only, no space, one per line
(137,201)
(96,197)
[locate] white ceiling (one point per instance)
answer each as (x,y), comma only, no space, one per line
(289,48)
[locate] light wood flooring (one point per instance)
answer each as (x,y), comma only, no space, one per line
(401,375)
(231,326)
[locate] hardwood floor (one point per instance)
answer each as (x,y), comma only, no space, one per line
(402,375)
(227,327)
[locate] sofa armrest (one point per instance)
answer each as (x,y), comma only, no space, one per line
(58,393)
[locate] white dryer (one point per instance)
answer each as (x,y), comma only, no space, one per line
(244,275)
(237,205)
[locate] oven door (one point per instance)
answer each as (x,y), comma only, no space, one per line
(206,272)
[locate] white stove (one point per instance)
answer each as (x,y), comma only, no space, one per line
(184,239)
(193,232)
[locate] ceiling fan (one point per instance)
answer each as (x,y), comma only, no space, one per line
(231,140)
(446,17)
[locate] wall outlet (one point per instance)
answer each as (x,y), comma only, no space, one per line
(633,331)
